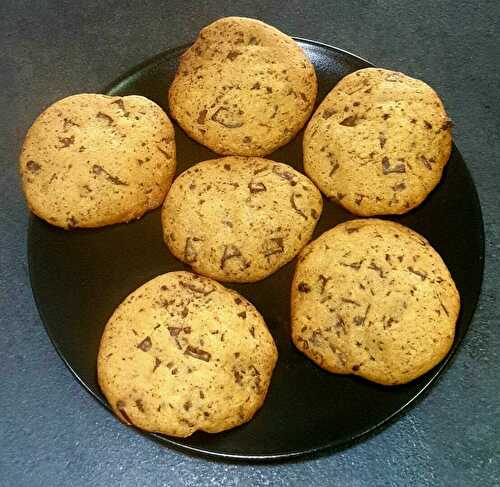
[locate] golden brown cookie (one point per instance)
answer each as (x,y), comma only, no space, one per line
(182,353)
(91,160)
(372,298)
(378,142)
(240,219)
(243,88)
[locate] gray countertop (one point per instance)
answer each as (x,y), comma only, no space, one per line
(52,432)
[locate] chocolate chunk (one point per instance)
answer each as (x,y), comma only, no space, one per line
(120,405)
(314,213)
(33,166)
(247,139)
(303,287)
(385,116)
(252,331)
(350,121)
(256,86)
(232,55)
(197,353)
(66,142)
(387,169)
(220,117)
(303,96)
(197,289)
(359,198)
(230,252)
(376,268)
(242,315)
(253,41)
(121,105)
(68,123)
(349,301)
(352,229)
(360,320)
(190,252)
(202,116)
(72,222)
(187,405)
(140,405)
(426,162)
(382,140)
(293,197)
(447,125)
(327,113)
(273,246)
(334,169)
(164,152)
(174,330)
(237,300)
(323,280)
(106,117)
(157,363)
(283,174)
(354,265)
(184,312)
(427,124)
(237,376)
(256,187)
(145,345)
(421,274)
(444,308)
(355,368)
(97,170)
(399,187)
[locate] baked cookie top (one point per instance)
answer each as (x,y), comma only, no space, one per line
(243,88)
(91,160)
(183,353)
(372,298)
(240,219)
(378,142)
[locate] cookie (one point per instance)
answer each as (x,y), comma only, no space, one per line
(378,142)
(239,219)
(182,353)
(372,298)
(243,88)
(91,160)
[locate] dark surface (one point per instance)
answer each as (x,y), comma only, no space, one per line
(52,433)
(331,409)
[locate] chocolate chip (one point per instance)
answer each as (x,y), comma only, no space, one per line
(140,405)
(247,139)
(219,117)
(174,330)
(447,125)
(97,170)
(202,116)
(232,55)
(242,315)
(157,363)
(382,140)
(293,198)
(421,274)
(230,252)
(66,142)
(399,187)
(196,289)
(256,86)
(145,345)
(121,105)
(387,169)
(427,124)
(376,268)
(227,167)
(350,121)
(190,252)
(303,287)
(106,117)
(329,112)
(33,166)
(237,300)
(274,246)
(197,353)
(314,213)
(256,187)
(324,280)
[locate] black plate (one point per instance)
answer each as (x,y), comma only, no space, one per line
(79,277)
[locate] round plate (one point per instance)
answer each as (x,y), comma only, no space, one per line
(79,277)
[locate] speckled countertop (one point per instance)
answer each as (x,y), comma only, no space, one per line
(52,432)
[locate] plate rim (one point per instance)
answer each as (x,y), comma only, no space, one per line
(333,445)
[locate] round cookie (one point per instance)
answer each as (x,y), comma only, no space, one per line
(239,219)
(243,88)
(378,142)
(91,160)
(372,298)
(182,353)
